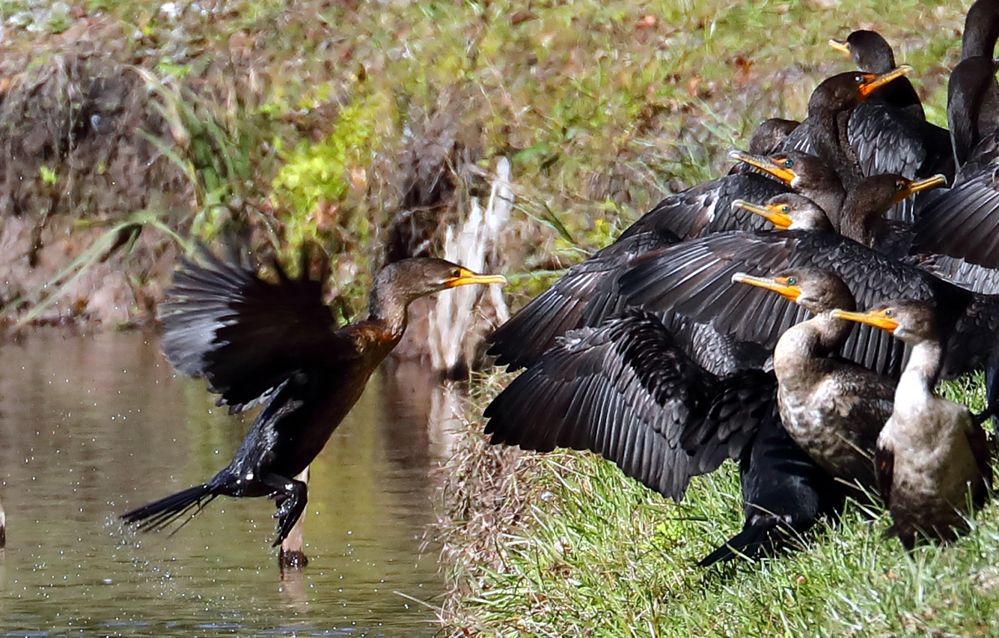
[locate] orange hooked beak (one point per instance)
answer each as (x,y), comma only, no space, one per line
(781,170)
(874,81)
(776,214)
(878,318)
(921,185)
(466,277)
(786,287)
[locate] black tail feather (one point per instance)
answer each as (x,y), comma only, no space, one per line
(761,537)
(161,514)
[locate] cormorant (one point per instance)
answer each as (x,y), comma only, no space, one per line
(628,391)
(276,344)
(584,295)
(694,280)
(931,451)
(871,53)
(831,407)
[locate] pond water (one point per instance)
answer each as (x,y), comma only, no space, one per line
(91,426)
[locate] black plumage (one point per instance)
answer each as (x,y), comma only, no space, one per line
(275,343)
(627,391)
(586,294)
(963,221)
(694,279)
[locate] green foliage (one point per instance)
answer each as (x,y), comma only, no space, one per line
(214,149)
(315,175)
(48,175)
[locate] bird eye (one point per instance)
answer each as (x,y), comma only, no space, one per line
(792,281)
(899,185)
(788,163)
(888,312)
(859,79)
(785,209)
(456,272)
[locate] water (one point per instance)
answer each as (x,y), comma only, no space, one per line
(93,426)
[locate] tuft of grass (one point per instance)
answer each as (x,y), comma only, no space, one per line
(590,552)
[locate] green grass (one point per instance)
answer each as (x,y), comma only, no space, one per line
(589,552)
(293,119)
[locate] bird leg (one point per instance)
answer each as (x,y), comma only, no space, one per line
(290,496)
(292,554)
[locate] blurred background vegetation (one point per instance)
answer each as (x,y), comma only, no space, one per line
(128,127)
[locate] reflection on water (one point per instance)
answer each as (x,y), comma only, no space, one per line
(92,426)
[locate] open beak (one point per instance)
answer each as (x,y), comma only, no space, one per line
(876,318)
(873,81)
(775,284)
(765,164)
(467,278)
(924,185)
(840,45)
(770,212)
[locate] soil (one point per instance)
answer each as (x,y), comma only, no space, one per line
(75,129)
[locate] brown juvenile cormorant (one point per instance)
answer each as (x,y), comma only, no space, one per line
(276,344)
(931,451)
(831,407)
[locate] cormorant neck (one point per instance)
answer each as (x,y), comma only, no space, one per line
(971,103)
(830,333)
(832,145)
(858,221)
(981,30)
(922,370)
(388,308)
(829,197)
(816,338)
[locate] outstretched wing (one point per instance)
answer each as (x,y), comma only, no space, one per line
(520,341)
(695,280)
(245,335)
(963,221)
(622,390)
(586,294)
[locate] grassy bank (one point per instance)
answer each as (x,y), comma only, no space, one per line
(564,545)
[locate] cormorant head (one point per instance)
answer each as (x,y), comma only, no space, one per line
(789,211)
(878,193)
(813,289)
(846,90)
(870,52)
(911,321)
(804,173)
(409,279)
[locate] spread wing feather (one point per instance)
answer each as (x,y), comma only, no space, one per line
(245,335)
(625,391)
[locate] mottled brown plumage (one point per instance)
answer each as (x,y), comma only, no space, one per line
(931,454)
